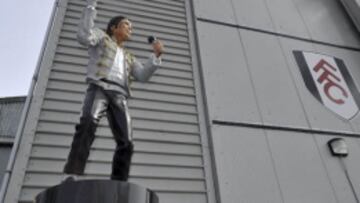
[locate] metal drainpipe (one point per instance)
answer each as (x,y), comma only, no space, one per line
(25,111)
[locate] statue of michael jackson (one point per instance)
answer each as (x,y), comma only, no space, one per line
(109,71)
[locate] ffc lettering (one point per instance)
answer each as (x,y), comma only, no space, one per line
(330,79)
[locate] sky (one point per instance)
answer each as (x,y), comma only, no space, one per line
(23,26)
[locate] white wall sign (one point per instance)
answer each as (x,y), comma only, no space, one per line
(328,79)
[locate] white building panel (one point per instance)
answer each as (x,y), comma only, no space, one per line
(299,166)
(244,165)
(227,81)
(274,87)
(353,7)
(327,22)
(336,171)
(219,10)
(286,18)
(253,14)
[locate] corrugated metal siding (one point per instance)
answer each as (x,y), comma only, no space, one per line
(10,112)
(168,151)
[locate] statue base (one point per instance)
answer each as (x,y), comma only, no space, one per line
(97,191)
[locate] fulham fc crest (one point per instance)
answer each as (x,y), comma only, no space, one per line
(328,79)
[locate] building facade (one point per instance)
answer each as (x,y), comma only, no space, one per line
(231,115)
(10,114)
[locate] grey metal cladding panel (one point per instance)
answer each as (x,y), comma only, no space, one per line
(133,8)
(172,185)
(58,84)
(327,21)
(163,71)
(48,180)
(10,113)
(5,151)
(253,13)
(165,4)
(157,10)
(141,157)
(75,107)
(317,114)
(73,60)
(177,42)
(138,42)
(286,18)
(72,96)
(152,125)
(244,165)
(173,197)
(274,87)
(228,87)
(146,27)
(103,16)
(105,142)
(219,10)
(299,167)
(351,60)
(138,51)
(157,82)
(182,197)
(35,181)
(55,116)
(335,171)
(175,140)
(137,170)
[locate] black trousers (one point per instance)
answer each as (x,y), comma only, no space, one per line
(99,102)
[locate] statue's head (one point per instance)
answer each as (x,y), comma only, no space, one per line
(119,27)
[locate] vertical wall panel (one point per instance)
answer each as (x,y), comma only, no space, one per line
(286,150)
(336,171)
(300,170)
(168,154)
(274,87)
(244,165)
(253,13)
(327,21)
(219,10)
(228,84)
(286,18)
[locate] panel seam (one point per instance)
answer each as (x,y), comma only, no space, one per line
(357,49)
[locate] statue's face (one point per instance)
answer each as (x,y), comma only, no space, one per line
(122,32)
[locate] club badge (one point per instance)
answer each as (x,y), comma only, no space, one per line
(329,81)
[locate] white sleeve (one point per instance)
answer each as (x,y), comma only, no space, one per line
(143,72)
(87,34)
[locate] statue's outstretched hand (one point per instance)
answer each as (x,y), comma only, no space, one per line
(158,48)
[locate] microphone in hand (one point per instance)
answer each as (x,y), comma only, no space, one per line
(151,39)
(156,44)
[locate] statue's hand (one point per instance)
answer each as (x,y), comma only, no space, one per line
(158,48)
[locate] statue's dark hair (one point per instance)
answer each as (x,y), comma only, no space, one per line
(113,22)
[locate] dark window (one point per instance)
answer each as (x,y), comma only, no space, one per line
(5,150)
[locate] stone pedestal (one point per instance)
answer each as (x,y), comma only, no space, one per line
(97,191)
